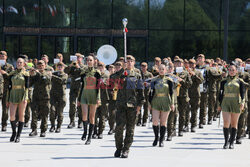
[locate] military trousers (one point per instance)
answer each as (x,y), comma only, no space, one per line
(171,123)
(40,108)
(194,106)
(241,124)
(100,117)
(211,104)
(56,112)
(125,116)
(248,114)
(182,108)
(144,118)
(203,108)
(111,114)
(73,108)
(4,110)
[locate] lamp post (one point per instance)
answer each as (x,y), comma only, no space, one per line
(125,30)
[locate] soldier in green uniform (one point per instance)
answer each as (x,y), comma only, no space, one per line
(74,71)
(214,75)
(194,94)
(154,69)
(232,99)
(244,75)
(7,68)
(102,109)
(202,66)
(45,58)
(145,75)
(129,99)
(58,97)
(182,99)
(172,118)
(40,105)
(112,89)
(248,99)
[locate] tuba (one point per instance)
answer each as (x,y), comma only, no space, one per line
(107,54)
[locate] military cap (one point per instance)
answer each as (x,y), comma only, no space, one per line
(157,59)
(25,57)
(45,56)
(178,60)
(215,64)
(185,61)
(3,52)
(144,64)
(118,63)
(248,60)
(176,57)
(201,55)
(40,62)
(101,64)
(121,59)
(79,55)
(111,66)
(192,61)
(130,57)
(59,55)
(207,61)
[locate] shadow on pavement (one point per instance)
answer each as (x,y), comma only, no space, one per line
(195,148)
(60,158)
(200,143)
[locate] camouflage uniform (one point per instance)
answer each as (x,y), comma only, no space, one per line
(145,76)
(243,116)
(58,97)
(183,98)
(8,68)
(102,110)
(130,95)
(75,85)
(214,75)
(194,95)
(1,86)
(40,104)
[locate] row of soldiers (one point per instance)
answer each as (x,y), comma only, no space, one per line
(196,86)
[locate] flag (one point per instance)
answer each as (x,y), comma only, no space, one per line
(12,9)
(51,10)
(24,11)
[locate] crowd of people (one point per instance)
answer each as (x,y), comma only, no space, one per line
(192,92)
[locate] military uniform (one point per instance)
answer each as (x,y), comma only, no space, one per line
(183,98)
(75,85)
(243,116)
(102,109)
(49,68)
(204,95)
(194,95)
(145,76)
(1,86)
(8,68)
(40,104)
(58,99)
(214,75)
(130,95)
(154,70)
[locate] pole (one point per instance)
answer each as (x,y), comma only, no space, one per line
(125,22)
(226,14)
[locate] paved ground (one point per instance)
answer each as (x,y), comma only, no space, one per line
(203,148)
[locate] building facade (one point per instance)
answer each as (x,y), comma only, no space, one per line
(163,28)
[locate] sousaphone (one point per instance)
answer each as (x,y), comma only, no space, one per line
(107,54)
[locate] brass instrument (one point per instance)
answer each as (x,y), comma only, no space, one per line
(115,91)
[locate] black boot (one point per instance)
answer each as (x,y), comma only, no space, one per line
(19,131)
(95,135)
(13,126)
(226,134)
(162,135)
(232,138)
(85,128)
(91,128)
(156,132)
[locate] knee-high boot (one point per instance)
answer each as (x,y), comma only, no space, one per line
(91,128)
(13,126)
(156,132)
(226,135)
(162,135)
(19,131)
(232,138)
(85,128)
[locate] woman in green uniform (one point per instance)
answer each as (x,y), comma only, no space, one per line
(17,97)
(231,98)
(89,97)
(162,102)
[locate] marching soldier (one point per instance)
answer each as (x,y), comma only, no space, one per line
(182,99)
(113,89)
(58,97)
(248,99)
(214,75)
(155,70)
(40,105)
(45,58)
(145,75)
(102,109)
(129,99)
(8,68)
(74,71)
(194,94)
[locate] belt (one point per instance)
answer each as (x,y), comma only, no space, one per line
(161,95)
(17,87)
(231,95)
